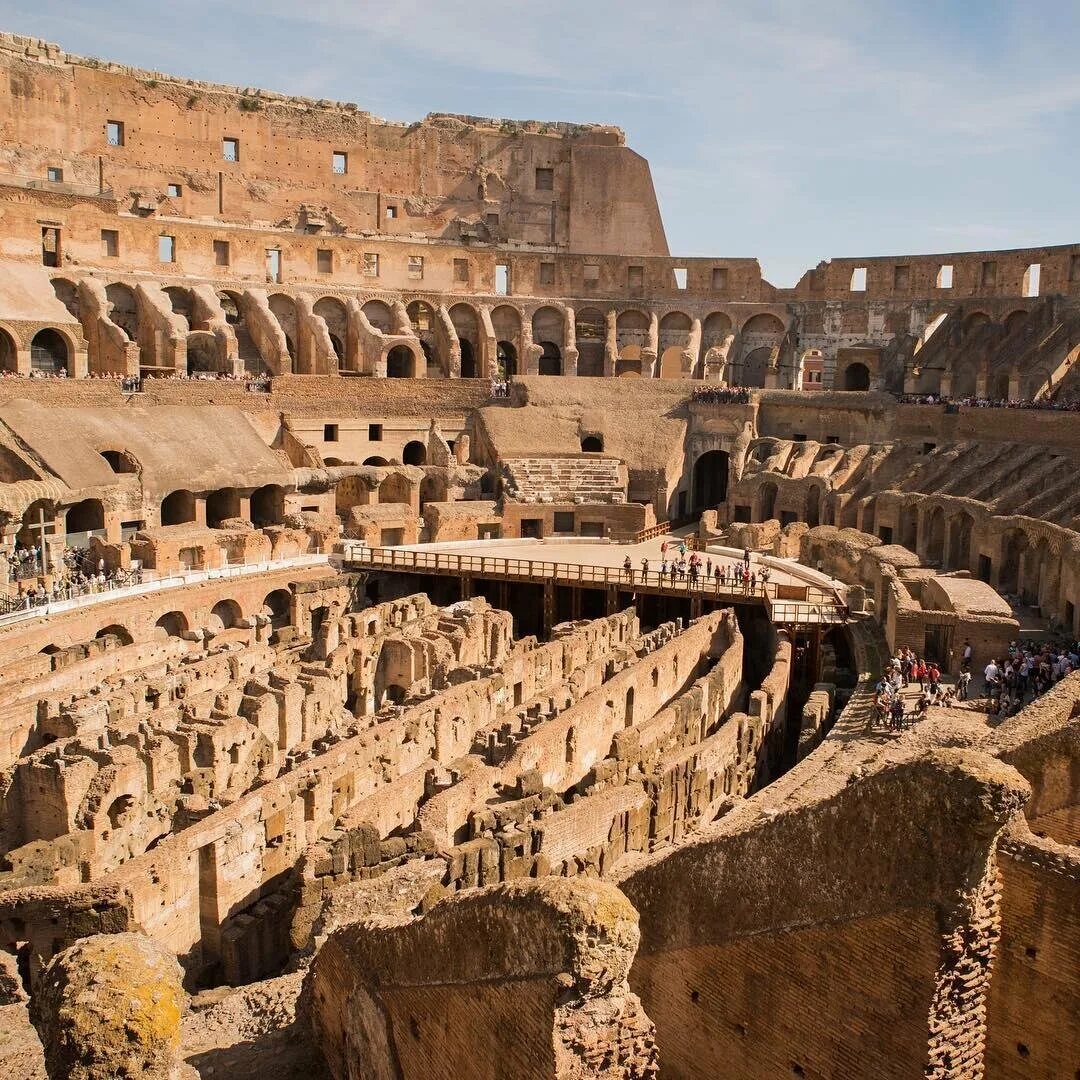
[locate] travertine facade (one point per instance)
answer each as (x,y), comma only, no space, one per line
(322,670)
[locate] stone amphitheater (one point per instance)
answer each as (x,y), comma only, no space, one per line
(444,635)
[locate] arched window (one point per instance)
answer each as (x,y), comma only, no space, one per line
(48,352)
(415,453)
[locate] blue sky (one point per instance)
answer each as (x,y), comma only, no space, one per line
(779,129)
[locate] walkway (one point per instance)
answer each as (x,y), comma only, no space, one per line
(790,598)
(153,585)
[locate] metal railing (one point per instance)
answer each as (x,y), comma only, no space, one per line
(819,605)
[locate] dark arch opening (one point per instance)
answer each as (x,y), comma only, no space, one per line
(278,606)
(506,358)
(178,508)
(375,461)
(123,637)
(856,377)
(118,461)
(221,505)
(400,363)
(85,517)
(550,359)
(710,479)
(268,505)
(592,444)
(174,623)
(8,353)
(415,453)
(468,360)
(48,352)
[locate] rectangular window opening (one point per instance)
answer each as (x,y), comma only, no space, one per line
(175,191)
(166,249)
(54,174)
(545,179)
(461,271)
(547,273)
(901,277)
(114,133)
(391,213)
(635,277)
(944,276)
(719,278)
(324,261)
(330,433)
(230,149)
(221,252)
(374,432)
(1074,268)
(273,265)
(858,279)
(339,163)
(371,264)
(680,277)
(50,246)
(989,273)
(502,279)
(110,243)
(1032,279)
(591,273)
(416,267)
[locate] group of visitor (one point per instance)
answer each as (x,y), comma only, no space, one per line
(721,395)
(1027,672)
(972,402)
(676,566)
(74,574)
(500,388)
(891,711)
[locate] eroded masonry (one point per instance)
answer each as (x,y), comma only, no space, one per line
(444,635)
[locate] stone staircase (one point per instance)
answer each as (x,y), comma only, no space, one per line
(564,480)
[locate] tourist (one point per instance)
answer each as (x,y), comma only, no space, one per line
(965,662)
(962,684)
(628,568)
(644,570)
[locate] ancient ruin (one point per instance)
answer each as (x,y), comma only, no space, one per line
(444,635)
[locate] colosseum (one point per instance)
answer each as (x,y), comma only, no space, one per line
(445,635)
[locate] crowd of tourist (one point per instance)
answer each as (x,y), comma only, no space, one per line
(721,395)
(500,388)
(133,384)
(972,402)
(1027,672)
(75,575)
(891,710)
(677,567)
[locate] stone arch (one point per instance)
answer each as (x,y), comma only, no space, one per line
(395,488)
(631,329)
(401,363)
(674,337)
(29,534)
(763,323)
(224,615)
(590,333)
(415,453)
(178,508)
(467,327)
(422,319)
(123,308)
(203,352)
(629,367)
(379,315)
(332,311)
(973,320)
(960,530)
(120,461)
(506,359)
(856,376)
(751,370)
(115,630)
(375,461)
(232,308)
(181,301)
(268,505)
(277,606)
(172,624)
(283,308)
(549,325)
(222,505)
(9,352)
(1014,320)
(49,352)
(592,444)
(85,517)
(506,324)
(1014,543)
(715,329)
(767,501)
(710,479)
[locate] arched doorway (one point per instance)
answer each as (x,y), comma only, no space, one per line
(1014,544)
(550,359)
(120,633)
(592,444)
(278,607)
(415,453)
(222,505)
(48,353)
(589,331)
(506,358)
(178,508)
(172,624)
(9,360)
(123,308)
(960,541)
(468,359)
(401,363)
(224,615)
(856,377)
(710,479)
(268,505)
(767,501)
(84,517)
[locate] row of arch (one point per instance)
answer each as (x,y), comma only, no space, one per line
(51,352)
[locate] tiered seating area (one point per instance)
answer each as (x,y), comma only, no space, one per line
(585,479)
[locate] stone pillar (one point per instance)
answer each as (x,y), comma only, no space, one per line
(611,343)
(570,349)
(650,355)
